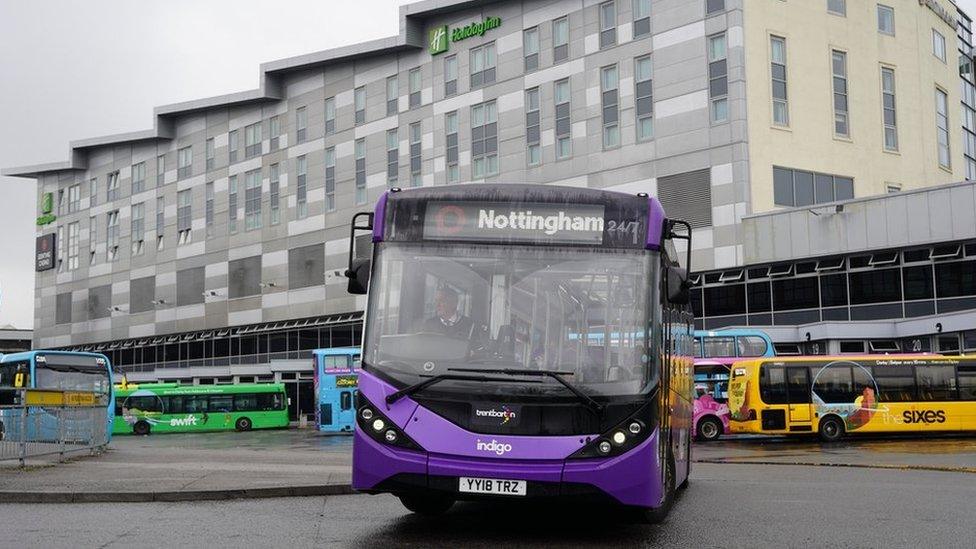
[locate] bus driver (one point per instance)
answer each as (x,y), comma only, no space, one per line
(447,319)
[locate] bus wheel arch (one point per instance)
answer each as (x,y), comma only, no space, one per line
(656,515)
(141,428)
(831,428)
(709,428)
(243,424)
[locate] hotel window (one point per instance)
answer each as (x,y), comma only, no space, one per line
(781,110)
(837,7)
(718,78)
(252,200)
(530,48)
(274,193)
(211,150)
(643,93)
(330,116)
(560,39)
(839,69)
(112,236)
(92,238)
(939,45)
(392,157)
(561,97)
(532,133)
(60,249)
(160,222)
(138,177)
(209,209)
(416,144)
(112,186)
(330,179)
(360,152)
(184,162)
(714,6)
(160,170)
(642,18)
(138,227)
(232,204)
(450,75)
(482,65)
(392,96)
(184,216)
(484,140)
(942,127)
(74,198)
(416,85)
(233,143)
(802,188)
(301,124)
(274,130)
(301,186)
(451,139)
(62,207)
(608,24)
(359,103)
(608,89)
(73,245)
(886,19)
(252,140)
(888,109)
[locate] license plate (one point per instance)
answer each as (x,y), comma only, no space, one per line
(492,486)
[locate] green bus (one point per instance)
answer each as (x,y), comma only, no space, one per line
(174,408)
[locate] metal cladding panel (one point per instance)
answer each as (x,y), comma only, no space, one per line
(633,478)
(373,463)
(538,470)
(439,436)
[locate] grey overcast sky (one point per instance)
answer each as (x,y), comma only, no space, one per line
(72,70)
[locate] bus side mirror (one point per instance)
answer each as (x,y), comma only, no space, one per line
(358,275)
(678,290)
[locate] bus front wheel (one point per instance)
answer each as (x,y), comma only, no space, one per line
(427,505)
(831,429)
(658,514)
(709,429)
(141,428)
(243,424)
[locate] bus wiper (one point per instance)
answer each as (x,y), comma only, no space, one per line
(554,374)
(417,387)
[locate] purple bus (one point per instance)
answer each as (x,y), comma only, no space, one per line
(481,378)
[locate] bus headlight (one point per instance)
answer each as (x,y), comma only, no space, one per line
(624,436)
(372,423)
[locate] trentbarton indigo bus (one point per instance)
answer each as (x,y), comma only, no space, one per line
(481,378)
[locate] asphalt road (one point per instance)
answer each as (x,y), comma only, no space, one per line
(727,505)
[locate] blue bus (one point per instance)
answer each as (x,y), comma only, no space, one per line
(63,371)
(336,385)
(483,376)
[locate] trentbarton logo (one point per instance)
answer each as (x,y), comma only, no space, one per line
(495,447)
(505,414)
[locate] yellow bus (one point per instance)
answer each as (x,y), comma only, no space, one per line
(840,395)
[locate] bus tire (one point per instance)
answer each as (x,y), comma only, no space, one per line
(709,429)
(657,515)
(243,424)
(426,505)
(141,428)
(831,429)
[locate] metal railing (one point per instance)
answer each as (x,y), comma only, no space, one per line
(36,422)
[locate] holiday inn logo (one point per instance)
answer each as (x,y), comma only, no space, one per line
(438,37)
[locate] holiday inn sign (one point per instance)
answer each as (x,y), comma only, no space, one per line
(438,38)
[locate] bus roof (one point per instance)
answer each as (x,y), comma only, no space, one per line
(176,389)
(27,355)
(337,351)
(731,332)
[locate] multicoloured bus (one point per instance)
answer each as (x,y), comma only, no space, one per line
(64,371)
(715,351)
(173,408)
(837,396)
(336,384)
(479,377)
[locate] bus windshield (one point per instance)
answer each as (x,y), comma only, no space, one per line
(437,307)
(71,373)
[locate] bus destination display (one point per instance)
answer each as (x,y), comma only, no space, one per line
(551,223)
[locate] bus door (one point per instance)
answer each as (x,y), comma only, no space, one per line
(798,385)
(346,413)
